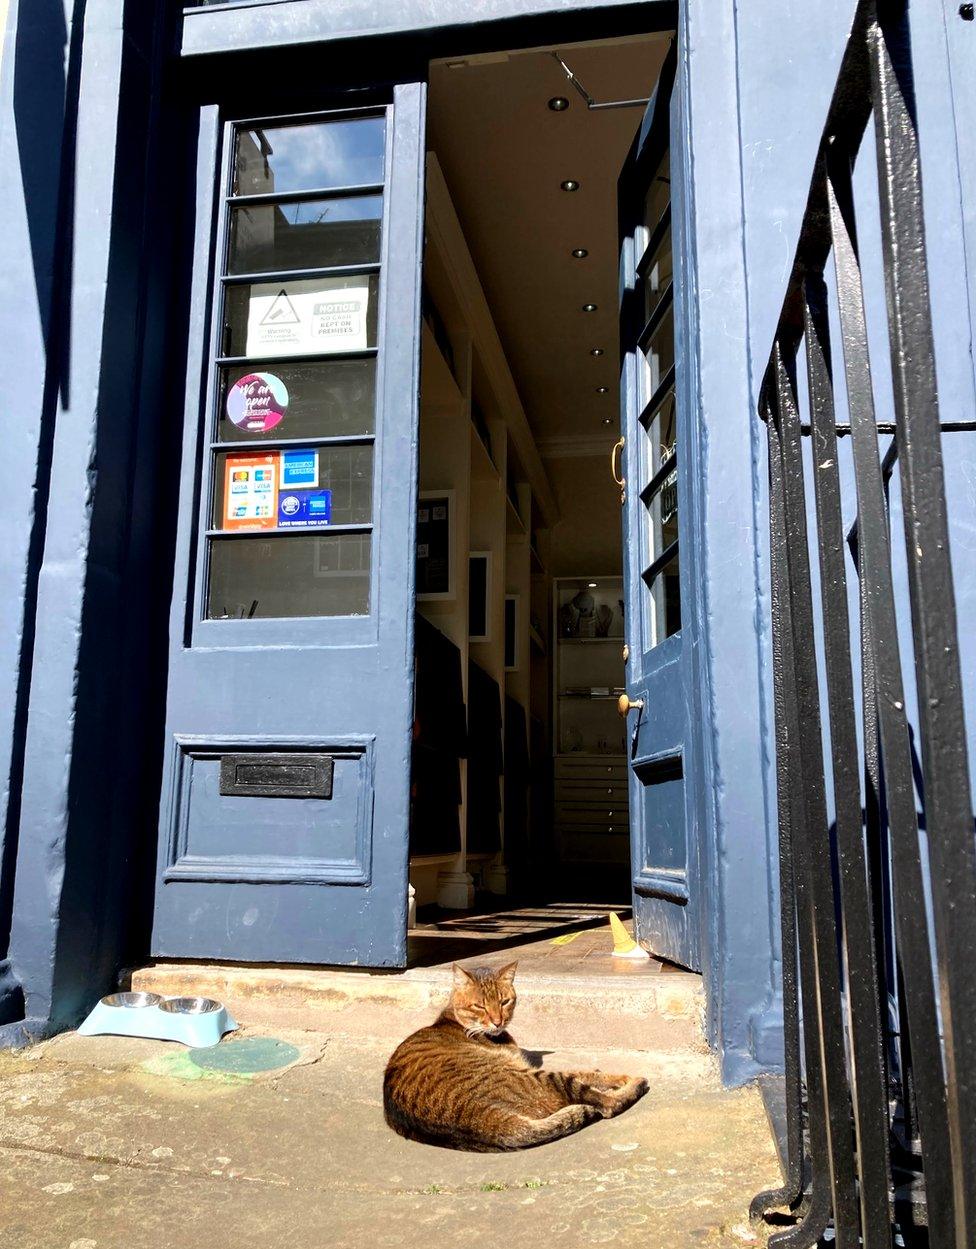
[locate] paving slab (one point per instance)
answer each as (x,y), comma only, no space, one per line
(108,1143)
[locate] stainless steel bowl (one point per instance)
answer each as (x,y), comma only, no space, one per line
(132,999)
(190,1005)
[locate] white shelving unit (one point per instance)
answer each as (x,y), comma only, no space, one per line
(591,821)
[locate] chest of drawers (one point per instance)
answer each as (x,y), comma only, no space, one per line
(591,811)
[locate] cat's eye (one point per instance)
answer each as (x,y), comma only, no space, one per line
(507,1001)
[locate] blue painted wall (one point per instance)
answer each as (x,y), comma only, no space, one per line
(767,125)
(82,329)
(36,81)
(90,280)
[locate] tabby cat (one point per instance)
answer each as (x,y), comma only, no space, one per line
(463,1082)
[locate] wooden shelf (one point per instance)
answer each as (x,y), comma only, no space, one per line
(482,465)
(451,266)
(514,522)
(589,641)
(439,392)
(590,698)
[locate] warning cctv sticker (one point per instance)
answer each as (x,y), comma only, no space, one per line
(314,316)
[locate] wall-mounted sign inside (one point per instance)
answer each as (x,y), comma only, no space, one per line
(257,402)
(251,491)
(310,317)
(434,545)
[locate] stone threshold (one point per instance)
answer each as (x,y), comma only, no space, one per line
(653,1012)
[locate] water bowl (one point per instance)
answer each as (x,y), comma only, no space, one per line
(190,1005)
(132,1001)
(199,1022)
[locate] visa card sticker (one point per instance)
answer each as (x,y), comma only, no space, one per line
(303,509)
(250,491)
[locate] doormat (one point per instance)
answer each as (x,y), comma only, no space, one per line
(247,1056)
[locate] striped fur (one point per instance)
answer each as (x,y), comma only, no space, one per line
(463,1083)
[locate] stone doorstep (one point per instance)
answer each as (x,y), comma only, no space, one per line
(654,1013)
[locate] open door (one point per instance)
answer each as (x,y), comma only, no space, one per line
(662,853)
(284,811)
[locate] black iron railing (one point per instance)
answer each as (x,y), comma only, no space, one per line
(878,927)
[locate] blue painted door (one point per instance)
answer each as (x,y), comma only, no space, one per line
(284,809)
(656,574)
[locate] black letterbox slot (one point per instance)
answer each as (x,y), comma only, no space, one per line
(276,776)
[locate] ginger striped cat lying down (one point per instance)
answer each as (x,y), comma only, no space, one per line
(463,1082)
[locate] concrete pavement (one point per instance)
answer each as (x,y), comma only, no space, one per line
(112,1143)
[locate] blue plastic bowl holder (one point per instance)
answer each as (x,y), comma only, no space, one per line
(192,1029)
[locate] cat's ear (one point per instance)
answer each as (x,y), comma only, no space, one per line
(507,972)
(462,976)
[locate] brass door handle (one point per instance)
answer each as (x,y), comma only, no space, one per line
(618,478)
(624,705)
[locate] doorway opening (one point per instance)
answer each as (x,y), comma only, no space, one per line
(519,797)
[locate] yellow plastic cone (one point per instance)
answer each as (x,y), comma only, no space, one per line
(624,945)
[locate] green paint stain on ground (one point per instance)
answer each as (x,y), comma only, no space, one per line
(181,1067)
(246,1056)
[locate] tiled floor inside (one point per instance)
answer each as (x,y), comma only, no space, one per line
(555,939)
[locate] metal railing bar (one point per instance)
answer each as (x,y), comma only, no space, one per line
(819,965)
(296,197)
(868,1074)
(888,460)
(890,427)
(814,1207)
(948,798)
(790,1193)
(887,468)
(876,577)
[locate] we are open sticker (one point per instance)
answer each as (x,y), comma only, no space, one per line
(257,402)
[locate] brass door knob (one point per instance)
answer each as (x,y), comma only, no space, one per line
(624,704)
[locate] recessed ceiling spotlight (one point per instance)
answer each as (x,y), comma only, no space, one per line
(607,420)
(591,585)
(602,390)
(570,185)
(589,307)
(559,104)
(596,351)
(580,253)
